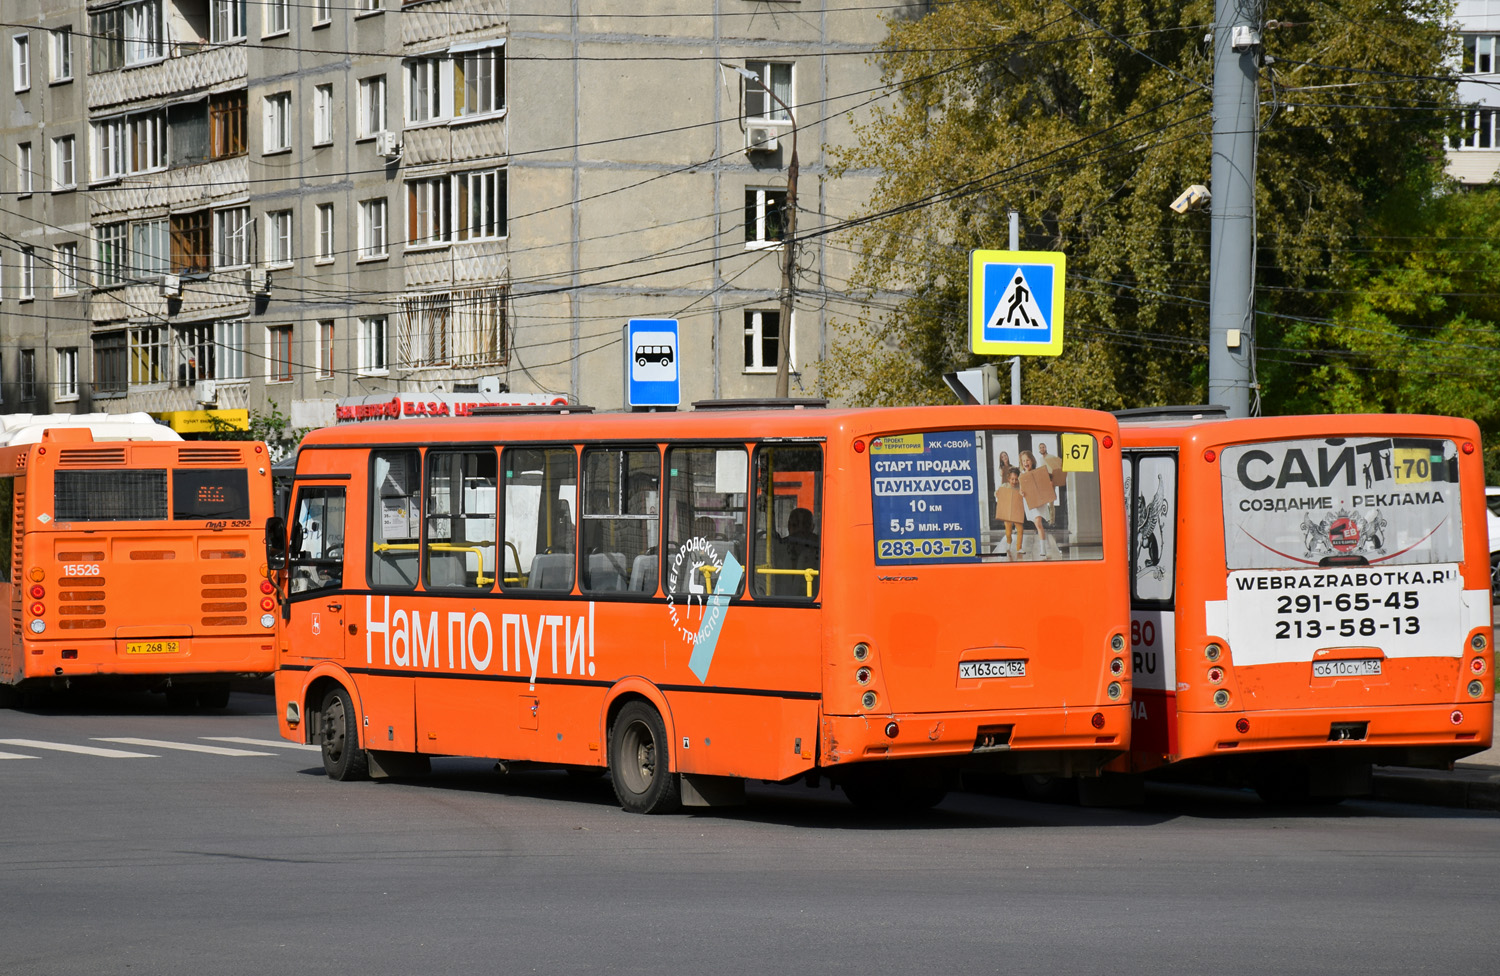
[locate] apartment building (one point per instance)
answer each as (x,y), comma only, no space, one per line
(1474,157)
(215,206)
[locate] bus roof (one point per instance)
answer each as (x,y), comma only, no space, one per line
(27,428)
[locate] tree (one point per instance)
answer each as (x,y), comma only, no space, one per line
(1089,119)
(272,426)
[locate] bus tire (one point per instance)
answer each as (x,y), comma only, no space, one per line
(215,694)
(343,759)
(639,767)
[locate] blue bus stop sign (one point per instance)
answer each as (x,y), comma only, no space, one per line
(652,365)
(1016,302)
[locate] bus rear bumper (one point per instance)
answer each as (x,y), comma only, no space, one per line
(1081,739)
(1421,735)
(245,655)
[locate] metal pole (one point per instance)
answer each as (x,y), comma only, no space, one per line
(1015,361)
(788,268)
(1237,26)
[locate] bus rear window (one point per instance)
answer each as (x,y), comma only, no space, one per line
(118,495)
(210,494)
(969,496)
(1341,501)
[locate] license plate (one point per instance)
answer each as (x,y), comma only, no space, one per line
(1346,668)
(151,647)
(992,669)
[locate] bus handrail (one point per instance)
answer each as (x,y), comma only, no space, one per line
(806,574)
(479,578)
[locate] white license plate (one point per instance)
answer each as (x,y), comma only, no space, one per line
(1346,668)
(992,669)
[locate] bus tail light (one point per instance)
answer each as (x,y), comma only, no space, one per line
(1098,720)
(862,676)
(1468,447)
(1212,652)
(37,592)
(266,587)
(1478,642)
(892,730)
(861,651)
(1477,665)
(1117,667)
(1242,726)
(1209,455)
(868,700)
(1221,698)
(1476,688)
(1457,717)
(37,609)
(37,574)
(1115,691)
(268,621)
(1117,643)
(1215,675)
(38,625)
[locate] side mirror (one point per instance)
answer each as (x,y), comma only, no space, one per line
(275,543)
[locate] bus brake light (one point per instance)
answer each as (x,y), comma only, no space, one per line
(266,587)
(1098,720)
(1209,455)
(1242,726)
(1477,665)
(37,609)
(37,592)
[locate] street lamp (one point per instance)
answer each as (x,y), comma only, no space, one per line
(788,266)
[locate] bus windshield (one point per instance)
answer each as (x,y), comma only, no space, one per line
(985,495)
(1341,501)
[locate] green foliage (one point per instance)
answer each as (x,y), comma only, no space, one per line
(272,426)
(1089,119)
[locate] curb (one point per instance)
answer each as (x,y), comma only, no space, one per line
(1466,787)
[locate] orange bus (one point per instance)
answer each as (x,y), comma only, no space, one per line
(130,558)
(695,599)
(1309,595)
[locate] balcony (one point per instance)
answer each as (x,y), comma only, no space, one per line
(182,188)
(188,67)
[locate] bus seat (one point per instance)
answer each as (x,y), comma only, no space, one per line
(643,573)
(552,571)
(606,571)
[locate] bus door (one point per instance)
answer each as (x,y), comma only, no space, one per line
(315,571)
(1151,497)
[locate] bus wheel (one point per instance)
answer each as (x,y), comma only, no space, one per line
(214,695)
(639,764)
(343,759)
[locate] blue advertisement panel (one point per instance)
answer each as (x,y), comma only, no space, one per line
(926,497)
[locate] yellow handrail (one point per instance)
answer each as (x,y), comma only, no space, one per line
(806,574)
(479,578)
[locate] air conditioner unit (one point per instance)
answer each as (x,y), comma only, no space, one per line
(171,286)
(386,144)
(206,392)
(258,281)
(760,138)
(492,386)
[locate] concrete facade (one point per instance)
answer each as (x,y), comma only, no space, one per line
(1476,157)
(248,230)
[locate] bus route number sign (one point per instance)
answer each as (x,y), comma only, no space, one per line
(926,497)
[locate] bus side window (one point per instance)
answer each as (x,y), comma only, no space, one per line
(7,524)
(318,563)
(786,545)
(394,519)
(706,492)
(541,494)
(621,498)
(460,539)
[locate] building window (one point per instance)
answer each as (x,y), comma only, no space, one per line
(765,217)
(325,233)
(127,34)
(427,212)
(761,108)
(278,122)
(20,60)
(762,336)
(232,237)
(279,354)
(228,23)
(279,237)
(371,106)
(372,344)
(277,19)
(110,261)
(28,375)
(62,54)
(192,252)
(322,114)
(226,124)
(372,224)
(322,12)
(148,355)
(455,84)
(130,144)
(150,248)
(28,274)
(466,328)
(325,350)
(370,6)
(229,338)
(65,373)
(64,170)
(23,168)
(195,353)
(1478,130)
(110,361)
(480,202)
(66,260)
(1479,54)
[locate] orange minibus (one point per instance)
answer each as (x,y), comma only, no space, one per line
(696,599)
(1309,595)
(129,557)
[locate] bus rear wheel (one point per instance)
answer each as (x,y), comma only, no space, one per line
(343,759)
(639,765)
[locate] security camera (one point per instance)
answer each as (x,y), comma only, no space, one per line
(1194,197)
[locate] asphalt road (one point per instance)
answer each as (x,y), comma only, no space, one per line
(204,863)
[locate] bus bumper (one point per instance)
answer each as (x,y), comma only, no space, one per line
(254,654)
(1075,740)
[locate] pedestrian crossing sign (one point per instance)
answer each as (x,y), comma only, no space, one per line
(1016,302)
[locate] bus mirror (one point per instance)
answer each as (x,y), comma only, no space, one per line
(276,542)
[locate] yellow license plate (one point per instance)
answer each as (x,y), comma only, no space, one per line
(151,647)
